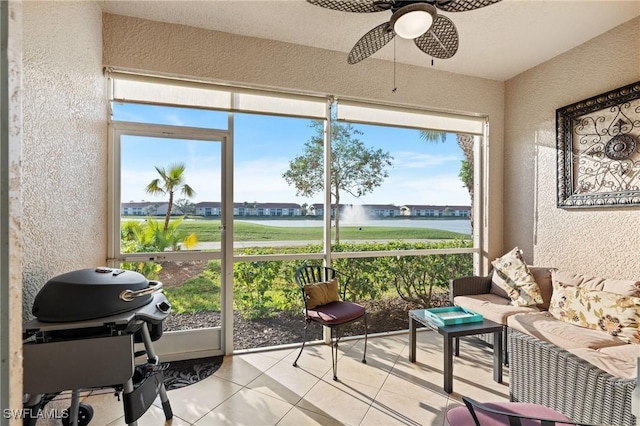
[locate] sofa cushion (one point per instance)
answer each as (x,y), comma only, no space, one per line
(492,307)
(497,286)
(512,274)
(611,313)
(619,361)
(544,326)
(624,287)
(543,278)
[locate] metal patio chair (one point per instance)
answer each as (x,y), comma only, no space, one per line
(334,314)
(507,414)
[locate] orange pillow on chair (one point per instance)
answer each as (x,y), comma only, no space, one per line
(318,294)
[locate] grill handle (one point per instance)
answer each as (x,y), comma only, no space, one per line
(129,295)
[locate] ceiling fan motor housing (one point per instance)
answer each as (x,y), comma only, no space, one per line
(413,20)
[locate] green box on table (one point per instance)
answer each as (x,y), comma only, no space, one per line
(451,315)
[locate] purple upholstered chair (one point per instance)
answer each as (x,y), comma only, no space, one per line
(333,314)
(506,414)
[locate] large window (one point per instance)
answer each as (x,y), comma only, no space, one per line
(268,213)
(389,195)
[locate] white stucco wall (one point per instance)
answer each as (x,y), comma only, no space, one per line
(602,242)
(11,375)
(64,168)
(177,50)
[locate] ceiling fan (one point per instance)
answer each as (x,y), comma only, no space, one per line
(434,34)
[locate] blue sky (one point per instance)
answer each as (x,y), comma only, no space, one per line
(422,173)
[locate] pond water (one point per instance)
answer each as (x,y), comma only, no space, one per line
(463,225)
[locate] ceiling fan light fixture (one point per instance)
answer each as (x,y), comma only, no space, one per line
(413,20)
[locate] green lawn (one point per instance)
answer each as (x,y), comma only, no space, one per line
(208,230)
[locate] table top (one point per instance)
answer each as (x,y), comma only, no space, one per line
(470,328)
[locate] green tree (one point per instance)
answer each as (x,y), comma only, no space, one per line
(355,168)
(186,206)
(147,236)
(433,136)
(170,181)
(465,142)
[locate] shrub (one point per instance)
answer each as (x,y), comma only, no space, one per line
(263,287)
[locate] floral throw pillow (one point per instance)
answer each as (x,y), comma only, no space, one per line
(615,314)
(512,274)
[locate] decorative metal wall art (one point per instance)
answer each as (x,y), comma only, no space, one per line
(598,146)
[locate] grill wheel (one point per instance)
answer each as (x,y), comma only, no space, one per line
(85,414)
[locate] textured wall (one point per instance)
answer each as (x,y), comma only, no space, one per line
(64,171)
(14,314)
(601,242)
(136,44)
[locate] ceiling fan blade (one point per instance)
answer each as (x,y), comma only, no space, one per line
(463,5)
(441,41)
(371,42)
(359,6)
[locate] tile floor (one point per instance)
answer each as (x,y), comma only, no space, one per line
(263,388)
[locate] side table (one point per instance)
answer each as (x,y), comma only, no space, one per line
(451,334)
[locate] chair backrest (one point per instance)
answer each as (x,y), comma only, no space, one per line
(502,415)
(309,274)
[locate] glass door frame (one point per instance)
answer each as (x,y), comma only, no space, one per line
(186,343)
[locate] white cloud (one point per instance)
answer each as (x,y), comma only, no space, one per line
(261,180)
(442,189)
(439,190)
(132,184)
(420,160)
(173,119)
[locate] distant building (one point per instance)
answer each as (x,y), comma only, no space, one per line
(209,208)
(147,208)
(381,210)
(276,209)
(370,210)
(214,208)
(435,211)
(245,209)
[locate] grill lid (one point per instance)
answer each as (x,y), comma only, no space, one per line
(92,293)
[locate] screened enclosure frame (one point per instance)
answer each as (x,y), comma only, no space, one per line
(153,90)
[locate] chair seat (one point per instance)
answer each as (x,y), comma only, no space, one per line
(461,416)
(336,313)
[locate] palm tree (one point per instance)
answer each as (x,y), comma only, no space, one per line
(137,237)
(148,236)
(170,181)
(433,136)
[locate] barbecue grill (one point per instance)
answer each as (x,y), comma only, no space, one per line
(83,338)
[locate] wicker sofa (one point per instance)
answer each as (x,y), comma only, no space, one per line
(587,374)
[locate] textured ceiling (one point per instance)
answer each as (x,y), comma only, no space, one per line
(496,42)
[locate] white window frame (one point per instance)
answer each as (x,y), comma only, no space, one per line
(208,341)
(435,120)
